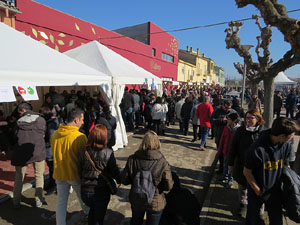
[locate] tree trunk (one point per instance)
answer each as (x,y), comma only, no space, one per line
(268,100)
(254,87)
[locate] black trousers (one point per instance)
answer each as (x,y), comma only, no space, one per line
(196,132)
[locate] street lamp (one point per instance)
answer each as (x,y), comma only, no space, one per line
(247,48)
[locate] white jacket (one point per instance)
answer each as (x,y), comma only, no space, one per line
(159,112)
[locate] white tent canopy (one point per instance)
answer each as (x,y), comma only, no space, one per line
(122,72)
(109,62)
(25,61)
(282,79)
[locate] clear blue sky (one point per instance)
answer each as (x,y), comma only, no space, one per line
(170,15)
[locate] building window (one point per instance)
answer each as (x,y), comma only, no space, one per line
(153,52)
(167,57)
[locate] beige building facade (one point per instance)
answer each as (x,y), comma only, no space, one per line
(195,67)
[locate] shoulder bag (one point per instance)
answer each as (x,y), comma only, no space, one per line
(109,182)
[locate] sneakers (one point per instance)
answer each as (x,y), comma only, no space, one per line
(38,204)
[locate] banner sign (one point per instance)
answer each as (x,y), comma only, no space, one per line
(28,92)
(7,94)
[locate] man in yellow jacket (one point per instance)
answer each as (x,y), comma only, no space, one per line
(67,142)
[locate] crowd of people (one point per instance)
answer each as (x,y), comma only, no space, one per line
(74,134)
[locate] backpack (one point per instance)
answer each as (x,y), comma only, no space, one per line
(142,188)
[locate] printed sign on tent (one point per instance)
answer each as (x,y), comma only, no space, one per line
(7,94)
(28,92)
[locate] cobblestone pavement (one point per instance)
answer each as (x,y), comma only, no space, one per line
(192,165)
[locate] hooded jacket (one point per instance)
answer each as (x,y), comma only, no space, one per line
(67,143)
(29,141)
(161,175)
(240,143)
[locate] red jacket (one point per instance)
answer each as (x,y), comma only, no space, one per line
(204,112)
(225,140)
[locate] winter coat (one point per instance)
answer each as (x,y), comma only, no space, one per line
(136,102)
(159,111)
(194,117)
(52,125)
(127,101)
(277,102)
(226,139)
(290,187)
(204,113)
(29,140)
(186,109)
(110,123)
(161,175)
(291,102)
(178,107)
(67,143)
(148,111)
(104,160)
(254,104)
(217,120)
(240,143)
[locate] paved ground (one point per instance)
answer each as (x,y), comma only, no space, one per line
(192,165)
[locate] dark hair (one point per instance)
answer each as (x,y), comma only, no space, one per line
(46,112)
(24,105)
(158,100)
(98,137)
(106,109)
(234,117)
(126,88)
(284,125)
(74,113)
(227,102)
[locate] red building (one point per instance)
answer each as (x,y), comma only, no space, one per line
(157,53)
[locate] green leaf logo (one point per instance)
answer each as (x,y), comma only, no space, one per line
(30,91)
(60,42)
(23,32)
(93,30)
(82,43)
(77,27)
(51,38)
(62,35)
(43,42)
(56,48)
(71,43)
(34,32)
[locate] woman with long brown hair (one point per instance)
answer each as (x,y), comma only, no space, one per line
(95,191)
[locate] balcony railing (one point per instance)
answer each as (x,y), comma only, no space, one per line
(9,2)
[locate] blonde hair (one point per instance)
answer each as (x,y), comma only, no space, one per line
(150,141)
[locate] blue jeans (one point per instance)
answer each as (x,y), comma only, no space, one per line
(204,135)
(63,188)
(152,218)
(226,172)
(97,201)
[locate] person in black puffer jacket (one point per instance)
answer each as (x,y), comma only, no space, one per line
(109,121)
(95,193)
(241,141)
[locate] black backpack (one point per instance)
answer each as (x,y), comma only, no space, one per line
(142,188)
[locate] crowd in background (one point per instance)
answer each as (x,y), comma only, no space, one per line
(209,110)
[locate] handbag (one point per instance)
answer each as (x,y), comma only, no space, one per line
(111,184)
